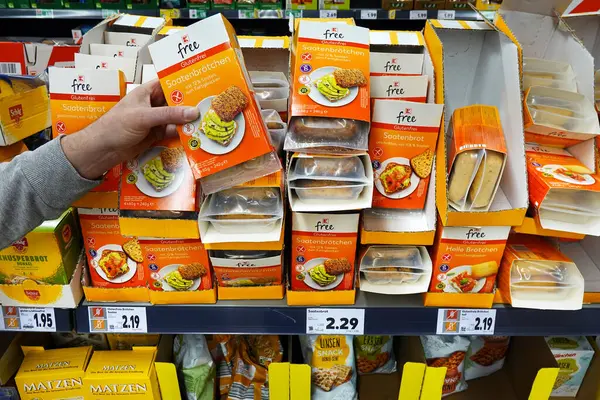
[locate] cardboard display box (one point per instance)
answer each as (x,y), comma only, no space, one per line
(586,255)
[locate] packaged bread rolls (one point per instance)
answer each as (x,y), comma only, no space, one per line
(477,157)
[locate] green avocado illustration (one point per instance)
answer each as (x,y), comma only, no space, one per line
(330,89)
(176,281)
(320,276)
(216,129)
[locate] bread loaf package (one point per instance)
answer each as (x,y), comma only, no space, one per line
(476,157)
(329,108)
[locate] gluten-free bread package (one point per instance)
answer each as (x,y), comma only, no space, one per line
(329,108)
(477,157)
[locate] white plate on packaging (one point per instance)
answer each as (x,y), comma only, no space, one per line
(308,280)
(458,270)
(208,145)
(119,279)
(551,169)
(414,179)
(168,288)
(146,187)
(318,97)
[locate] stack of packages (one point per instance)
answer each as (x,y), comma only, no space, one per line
(402,144)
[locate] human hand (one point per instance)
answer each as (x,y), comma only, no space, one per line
(134,124)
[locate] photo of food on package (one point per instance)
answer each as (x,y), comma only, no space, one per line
(114,260)
(485,356)
(573,355)
(466,259)
(331,358)
(176,264)
(374,354)
(330,109)
(449,352)
(247,268)
(323,251)
(402,147)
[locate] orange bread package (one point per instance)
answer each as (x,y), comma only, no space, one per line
(202,66)
(79,97)
(476,157)
(402,147)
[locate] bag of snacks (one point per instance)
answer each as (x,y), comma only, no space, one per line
(485,356)
(195,366)
(374,354)
(449,352)
(331,358)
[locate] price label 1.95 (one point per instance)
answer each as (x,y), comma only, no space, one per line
(466,322)
(337,321)
(118,319)
(32,319)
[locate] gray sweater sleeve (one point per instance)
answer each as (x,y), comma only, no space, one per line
(36,186)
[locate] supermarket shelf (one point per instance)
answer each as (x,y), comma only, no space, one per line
(27,13)
(401,315)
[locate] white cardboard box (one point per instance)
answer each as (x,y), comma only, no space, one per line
(113,50)
(396,52)
(127,65)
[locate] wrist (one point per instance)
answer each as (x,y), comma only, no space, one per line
(88,155)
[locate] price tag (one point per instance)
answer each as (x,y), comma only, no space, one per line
(108,13)
(118,319)
(173,13)
(418,14)
(44,13)
(327,13)
(293,14)
(31,319)
(338,321)
(245,14)
(197,14)
(368,14)
(446,14)
(466,322)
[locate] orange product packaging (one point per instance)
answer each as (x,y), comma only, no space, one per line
(409,88)
(79,97)
(477,157)
(247,268)
(114,260)
(323,251)
(176,265)
(329,105)
(564,193)
(466,259)
(402,147)
(158,179)
(202,66)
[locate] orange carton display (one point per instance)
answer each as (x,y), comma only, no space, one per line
(114,260)
(402,147)
(202,66)
(477,157)
(79,97)
(323,251)
(535,274)
(465,262)
(565,194)
(158,187)
(409,88)
(329,108)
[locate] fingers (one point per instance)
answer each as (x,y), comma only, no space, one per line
(157,97)
(155,116)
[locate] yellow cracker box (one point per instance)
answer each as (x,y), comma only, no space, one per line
(126,374)
(53,374)
(202,66)
(126,341)
(46,255)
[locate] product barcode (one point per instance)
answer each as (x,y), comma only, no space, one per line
(10,68)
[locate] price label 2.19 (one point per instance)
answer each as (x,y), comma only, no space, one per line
(466,322)
(338,321)
(118,319)
(33,319)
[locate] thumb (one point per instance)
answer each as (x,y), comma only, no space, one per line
(155,116)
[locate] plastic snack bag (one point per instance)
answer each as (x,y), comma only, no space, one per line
(331,358)
(223,349)
(374,354)
(485,356)
(449,352)
(195,366)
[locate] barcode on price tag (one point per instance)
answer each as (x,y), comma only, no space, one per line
(338,321)
(418,14)
(9,68)
(327,13)
(466,322)
(368,14)
(118,319)
(446,14)
(31,319)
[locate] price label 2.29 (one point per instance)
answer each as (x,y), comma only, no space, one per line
(466,322)
(34,319)
(118,319)
(338,321)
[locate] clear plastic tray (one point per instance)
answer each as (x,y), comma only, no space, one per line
(277,128)
(245,205)
(331,190)
(561,109)
(327,135)
(329,168)
(554,74)
(243,254)
(382,265)
(568,216)
(579,201)
(267,88)
(540,280)
(243,225)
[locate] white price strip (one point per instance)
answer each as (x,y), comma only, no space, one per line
(466,322)
(327,13)
(118,319)
(368,14)
(418,14)
(338,321)
(30,319)
(446,14)
(44,13)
